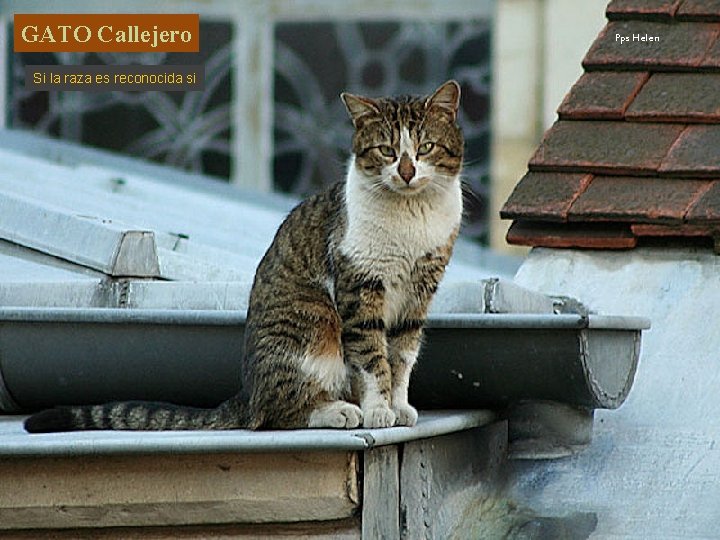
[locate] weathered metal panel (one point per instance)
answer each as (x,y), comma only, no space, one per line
(200,234)
(101,244)
(449,483)
(381,494)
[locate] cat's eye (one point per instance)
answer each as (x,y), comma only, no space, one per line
(425,148)
(387,151)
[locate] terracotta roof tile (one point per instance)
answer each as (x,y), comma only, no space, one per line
(647,9)
(645,199)
(707,208)
(653,229)
(695,153)
(678,97)
(545,195)
(562,235)
(678,45)
(712,58)
(699,10)
(635,154)
(605,147)
(680,234)
(601,95)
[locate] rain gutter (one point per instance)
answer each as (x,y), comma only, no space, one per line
(545,374)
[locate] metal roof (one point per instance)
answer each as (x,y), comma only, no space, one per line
(71,217)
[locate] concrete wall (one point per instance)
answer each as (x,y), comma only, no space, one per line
(653,470)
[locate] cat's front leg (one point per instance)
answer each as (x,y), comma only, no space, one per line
(404,341)
(365,351)
(405,336)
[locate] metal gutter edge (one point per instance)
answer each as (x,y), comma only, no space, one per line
(16,443)
(536,321)
(454,421)
(232,317)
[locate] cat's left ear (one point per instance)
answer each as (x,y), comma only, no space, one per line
(447,98)
(358,107)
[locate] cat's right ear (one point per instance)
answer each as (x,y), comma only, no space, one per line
(359,107)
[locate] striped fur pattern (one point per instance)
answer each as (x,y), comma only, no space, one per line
(340,298)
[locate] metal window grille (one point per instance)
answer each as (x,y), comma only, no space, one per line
(270,116)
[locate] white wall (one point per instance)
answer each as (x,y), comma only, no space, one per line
(537,53)
(570,28)
(653,469)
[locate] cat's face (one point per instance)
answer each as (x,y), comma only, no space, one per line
(407,145)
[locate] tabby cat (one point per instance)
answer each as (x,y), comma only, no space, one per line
(339,300)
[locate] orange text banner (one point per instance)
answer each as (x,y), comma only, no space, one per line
(106,33)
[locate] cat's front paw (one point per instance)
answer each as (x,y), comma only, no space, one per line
(337,414)
(378,417)
(405,414)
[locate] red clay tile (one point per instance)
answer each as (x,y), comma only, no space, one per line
(601,95)
(605,147)
(644,199)
(695,153)
(546,196)
(707,208)
(678,46)
(646,9)
(682,234)
(678,97)
(562,235)
(699,10)
(650,229)
(712,58)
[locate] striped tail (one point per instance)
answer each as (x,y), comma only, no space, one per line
(138,416)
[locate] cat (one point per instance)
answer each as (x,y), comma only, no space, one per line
(339,300)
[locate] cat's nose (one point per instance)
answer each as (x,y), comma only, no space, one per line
(406,169)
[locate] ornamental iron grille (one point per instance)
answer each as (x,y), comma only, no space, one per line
(313,62)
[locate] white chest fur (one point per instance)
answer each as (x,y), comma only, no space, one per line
(386,235)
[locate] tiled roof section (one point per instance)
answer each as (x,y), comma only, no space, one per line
(602,95)
(612,198)
(545,196)
(633,45)
(635,154)
(560,235)
(661,10)
(695,153)
(707,208)
(699,10)
(605,147)
(712,58)
(678,97)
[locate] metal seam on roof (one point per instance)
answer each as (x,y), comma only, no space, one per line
(96,243)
